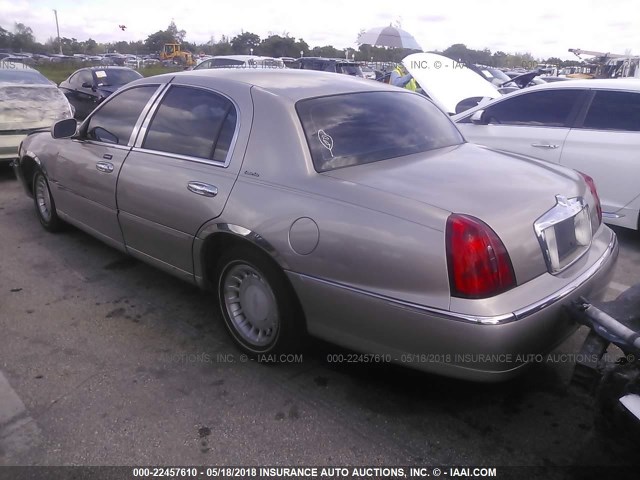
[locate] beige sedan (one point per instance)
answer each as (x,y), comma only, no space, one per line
(309,202)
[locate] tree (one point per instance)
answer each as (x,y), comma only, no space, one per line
(281,46)
(244,43)
(5,38)
(22,38)
(178,35)
(327,51)
(89,46)
(301,46)
(155,42)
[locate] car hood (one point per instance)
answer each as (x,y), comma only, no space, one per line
(508,192)
(446,81)
(26,107)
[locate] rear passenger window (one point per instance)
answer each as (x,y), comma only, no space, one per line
(193,122)
(543,109)
(614,111)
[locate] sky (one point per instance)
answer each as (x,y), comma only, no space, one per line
(544,28)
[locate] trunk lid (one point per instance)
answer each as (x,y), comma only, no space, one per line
(506,191)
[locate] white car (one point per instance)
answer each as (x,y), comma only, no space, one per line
(239,61)
(589,125)
(28,102)
(450,84)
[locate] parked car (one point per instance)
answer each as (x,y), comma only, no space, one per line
(345,208)
(113,58)
(368,72)
(450,84)
(239,61)
(28,102)
(590,125)
(495,76)
(551,79)
(88,87)
(336,65)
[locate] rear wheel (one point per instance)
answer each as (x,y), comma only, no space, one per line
(256,302)
(44,203)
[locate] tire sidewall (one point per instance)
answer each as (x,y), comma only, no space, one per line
(53,224)
(274,279)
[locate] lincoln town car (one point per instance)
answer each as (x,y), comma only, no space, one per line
(309,203)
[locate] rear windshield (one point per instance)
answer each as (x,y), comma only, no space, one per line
(23,76)
(358,128)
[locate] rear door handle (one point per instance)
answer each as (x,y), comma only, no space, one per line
(544,145)
(203,189)
(105,167)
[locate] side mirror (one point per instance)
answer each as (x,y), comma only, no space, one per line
(64,128)
(477,119)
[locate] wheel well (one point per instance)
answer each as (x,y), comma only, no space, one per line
(28,166)
(216,244)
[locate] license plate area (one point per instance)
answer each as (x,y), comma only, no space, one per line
(564,233)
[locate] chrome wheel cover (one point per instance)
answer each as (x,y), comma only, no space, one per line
(43,199)
(250,304)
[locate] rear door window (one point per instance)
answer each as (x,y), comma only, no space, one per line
(551,108)
(611,110)
(358,128)
(193,122)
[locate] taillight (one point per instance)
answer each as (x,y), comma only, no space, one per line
(592,186)
(479,265)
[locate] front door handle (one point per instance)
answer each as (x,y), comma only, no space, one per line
(105,167)
(544,145)
(203,189)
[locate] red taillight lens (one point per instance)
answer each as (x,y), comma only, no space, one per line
(479,265)
(592,186)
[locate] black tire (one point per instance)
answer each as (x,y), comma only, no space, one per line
(257,304)
(44,204)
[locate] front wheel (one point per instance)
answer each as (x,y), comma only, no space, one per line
(256,302)
(44,203)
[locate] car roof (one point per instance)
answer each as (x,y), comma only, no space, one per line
(236,57)
(604,83)
(292,84)
(107,67)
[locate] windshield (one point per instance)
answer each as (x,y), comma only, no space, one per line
(358,128)
(111,77)
(23,76)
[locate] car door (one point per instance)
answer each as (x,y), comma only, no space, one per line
(606,146)
(87,167)
(533,123)
(85,96)
(181,172)
(69,88)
